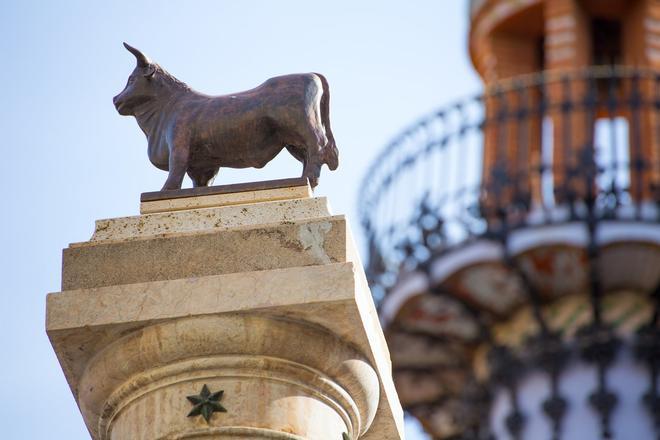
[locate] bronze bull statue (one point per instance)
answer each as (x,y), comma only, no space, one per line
(189,132)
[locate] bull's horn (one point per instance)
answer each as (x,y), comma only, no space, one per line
(142,60)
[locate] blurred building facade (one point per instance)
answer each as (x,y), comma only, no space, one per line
(514,237)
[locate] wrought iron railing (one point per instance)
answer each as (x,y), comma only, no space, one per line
(534,150)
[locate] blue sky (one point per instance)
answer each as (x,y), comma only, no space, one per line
(69,158)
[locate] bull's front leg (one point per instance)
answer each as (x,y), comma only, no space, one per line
(178,165)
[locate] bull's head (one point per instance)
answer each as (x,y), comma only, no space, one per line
(139,88)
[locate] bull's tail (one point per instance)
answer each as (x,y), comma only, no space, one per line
(330,152)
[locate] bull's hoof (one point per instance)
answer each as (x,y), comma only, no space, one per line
(170,188)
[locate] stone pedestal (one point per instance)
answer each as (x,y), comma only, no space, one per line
(258,293)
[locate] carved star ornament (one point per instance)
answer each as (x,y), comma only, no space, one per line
(206,403)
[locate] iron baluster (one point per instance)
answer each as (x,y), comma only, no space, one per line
(637,162)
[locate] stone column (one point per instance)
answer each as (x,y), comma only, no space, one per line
(232,312)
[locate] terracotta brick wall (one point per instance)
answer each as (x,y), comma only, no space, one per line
(567,35)
(642,43)
(500,55)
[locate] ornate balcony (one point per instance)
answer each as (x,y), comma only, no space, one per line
(518,233)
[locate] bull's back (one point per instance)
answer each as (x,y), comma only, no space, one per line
(293,95)
(244,128)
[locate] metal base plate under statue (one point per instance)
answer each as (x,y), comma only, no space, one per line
(235,313)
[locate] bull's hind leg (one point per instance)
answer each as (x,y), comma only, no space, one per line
(301,155)
(314,141)
(298,153)
(312,171)
(202,176)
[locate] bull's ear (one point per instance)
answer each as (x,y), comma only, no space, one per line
(142,59)
(149,71)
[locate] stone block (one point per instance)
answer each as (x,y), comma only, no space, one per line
(190,254)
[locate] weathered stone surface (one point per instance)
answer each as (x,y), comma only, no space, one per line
(288,244)
(279,315)
(210,219)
